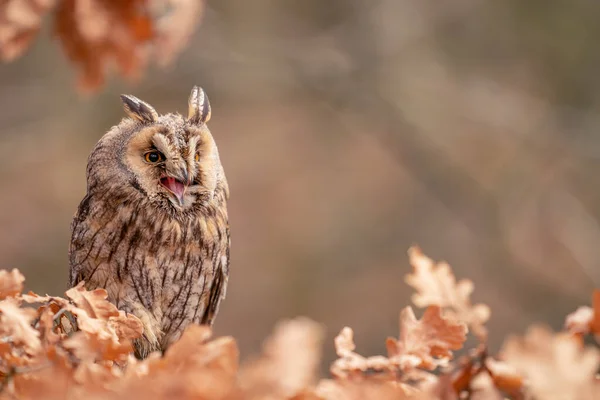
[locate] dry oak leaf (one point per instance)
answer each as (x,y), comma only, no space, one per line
(11,283)
(440,388)
(20,21)
(96,306)
(220,353)
(483,388)
(436,285)
(96,32)
(95,346)
(93,302)
(94,380)
(585,319)
(505,376)
(466,368)
(46,326)
(126,326)
(289,363)
(425,343)
(34,298)
(105,332)
(554,366)
(579,321)
(350,363)
(348,390)
(15,325)
(194,367)
(59,377)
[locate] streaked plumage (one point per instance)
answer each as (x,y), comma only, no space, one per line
(155,234)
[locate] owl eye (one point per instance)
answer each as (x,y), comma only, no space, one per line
(153,157)
(197,157)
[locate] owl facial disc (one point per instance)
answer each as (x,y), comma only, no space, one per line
(174,186)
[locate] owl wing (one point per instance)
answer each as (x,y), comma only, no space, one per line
(78,252)
(217,293)
(218,288)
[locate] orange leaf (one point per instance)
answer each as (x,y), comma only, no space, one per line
(11,283)
(437,286)
(289,362)
(595,323)
(505,377)
(15,325)
(350,363)
(20,22)
(555,366)
(93,302)
(427,342)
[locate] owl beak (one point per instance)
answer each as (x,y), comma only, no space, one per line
(174,186)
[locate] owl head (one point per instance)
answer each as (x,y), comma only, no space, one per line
(169,161)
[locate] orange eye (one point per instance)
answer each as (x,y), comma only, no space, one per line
(197,157)
(153,157)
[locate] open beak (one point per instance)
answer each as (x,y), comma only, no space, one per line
(174,186)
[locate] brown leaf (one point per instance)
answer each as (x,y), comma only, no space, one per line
(194,352)
(33,298)
(94,346)
(595,323)
(483,388)
(11,283)
(440,389)
(350,363)
(46,326)
(348,390)
(20,22)
(192,368)
(289,362)
(555,366)
(94,33)
(105,331)
(505,376)
(15,325)
(426,343)
(579,321)
(52,379)
(93,302)
(436,285)
(126,326)
(94,380)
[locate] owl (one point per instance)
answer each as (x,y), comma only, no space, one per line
(153,228)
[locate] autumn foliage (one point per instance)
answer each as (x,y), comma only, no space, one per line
(80,347)
(97,35)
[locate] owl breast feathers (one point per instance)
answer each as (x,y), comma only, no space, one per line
(152,228)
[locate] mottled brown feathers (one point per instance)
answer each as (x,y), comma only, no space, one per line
(153,228)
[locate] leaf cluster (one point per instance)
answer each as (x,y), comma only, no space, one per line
(96,35)
(80,346)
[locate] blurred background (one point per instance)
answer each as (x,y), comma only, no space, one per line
(349,131)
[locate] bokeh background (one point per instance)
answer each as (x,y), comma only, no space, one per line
(349,131)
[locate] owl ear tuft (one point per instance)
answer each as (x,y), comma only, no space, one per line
(199,106)
(138,109)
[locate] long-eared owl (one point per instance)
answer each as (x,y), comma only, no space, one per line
(153,228)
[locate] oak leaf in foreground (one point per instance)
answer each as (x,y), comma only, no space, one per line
(555,366)
(436,285)
(97,35)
